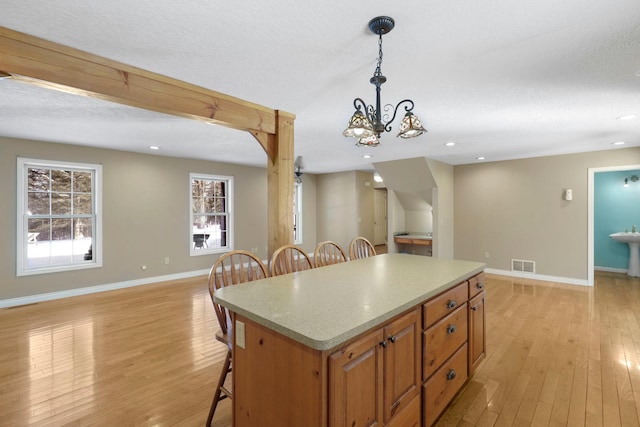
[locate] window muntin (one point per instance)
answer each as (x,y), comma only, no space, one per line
(211,214)
(58,216)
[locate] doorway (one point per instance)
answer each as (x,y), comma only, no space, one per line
(591,209)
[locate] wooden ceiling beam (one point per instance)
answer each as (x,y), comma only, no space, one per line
(54,66)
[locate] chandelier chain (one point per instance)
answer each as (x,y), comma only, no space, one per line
(378,72)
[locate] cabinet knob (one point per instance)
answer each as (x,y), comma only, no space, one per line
(452,304)
(383,343)
(451,374)
(392,339)
(479,285)
(474,308)
(451,329)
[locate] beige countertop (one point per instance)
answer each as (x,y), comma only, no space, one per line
(324,307)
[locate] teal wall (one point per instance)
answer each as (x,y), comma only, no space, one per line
(616,208)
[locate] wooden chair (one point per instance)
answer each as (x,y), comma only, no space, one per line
(361,248)
(230,269)
(289,259)
(328,253)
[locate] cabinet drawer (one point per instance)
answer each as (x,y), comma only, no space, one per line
(443,339)
(443,385)
(476,285)
(409,416)
(438,307)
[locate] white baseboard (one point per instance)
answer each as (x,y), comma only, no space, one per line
(612,270)
(568,280)
(32,299)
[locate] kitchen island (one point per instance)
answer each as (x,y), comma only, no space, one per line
(352,342)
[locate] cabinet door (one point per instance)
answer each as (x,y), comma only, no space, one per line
(355,372)
(477,338)
(401,363)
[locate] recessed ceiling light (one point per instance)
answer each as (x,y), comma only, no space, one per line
(450,144)
(367,156)
(627,117)
(154,147)
(618,143)
(480,158)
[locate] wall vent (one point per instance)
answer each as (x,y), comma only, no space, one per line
(523,265)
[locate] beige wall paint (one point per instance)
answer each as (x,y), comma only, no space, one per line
(443,209)
(366,217)
(309,209)
(344,207)
(514,209)
(145,215)
(337,208)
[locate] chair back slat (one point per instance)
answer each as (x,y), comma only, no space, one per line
(328,253)
(360,248)
(289,259)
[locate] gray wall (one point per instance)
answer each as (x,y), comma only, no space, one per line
(145,215)
(344,207)
(515,209)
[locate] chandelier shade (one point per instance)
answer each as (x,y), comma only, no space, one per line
(370,141)
(410,127)
(359,126)
(368,123)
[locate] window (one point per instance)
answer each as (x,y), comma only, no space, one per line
(59,223)
(211,228)
(297,213)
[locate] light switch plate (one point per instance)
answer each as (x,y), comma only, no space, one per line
(240,334)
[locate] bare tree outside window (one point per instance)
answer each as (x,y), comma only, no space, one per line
(58,216)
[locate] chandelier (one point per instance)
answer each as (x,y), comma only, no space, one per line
(368,122)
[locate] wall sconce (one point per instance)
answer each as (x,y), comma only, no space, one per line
(632,178)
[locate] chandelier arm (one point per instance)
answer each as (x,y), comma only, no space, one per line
(407,108)
(359,104)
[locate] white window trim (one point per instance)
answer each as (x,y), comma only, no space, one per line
(22,209)
(230,215)
(298,204)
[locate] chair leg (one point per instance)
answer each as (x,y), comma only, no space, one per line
(216,397)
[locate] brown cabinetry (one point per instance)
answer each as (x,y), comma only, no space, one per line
(376,378)
(453,343)
(477,339)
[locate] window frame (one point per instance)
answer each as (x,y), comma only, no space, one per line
(229,199)
(297,213)
(23,215)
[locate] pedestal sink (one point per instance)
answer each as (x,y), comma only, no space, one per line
(633,240)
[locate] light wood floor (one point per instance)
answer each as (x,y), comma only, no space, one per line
(556,355)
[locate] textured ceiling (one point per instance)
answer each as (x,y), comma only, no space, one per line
(502,79)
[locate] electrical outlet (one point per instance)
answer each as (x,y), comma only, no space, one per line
(486,255)
(143,267)
(240,338)
(166,260)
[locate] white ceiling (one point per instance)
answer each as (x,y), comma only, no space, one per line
(502,79)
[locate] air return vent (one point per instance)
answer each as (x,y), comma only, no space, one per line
(523,265)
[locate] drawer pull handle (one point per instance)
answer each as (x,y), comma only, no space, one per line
(452,304)
(451,329)
(392,339)
(480,285)
(451,374)
(383,343)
